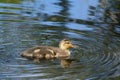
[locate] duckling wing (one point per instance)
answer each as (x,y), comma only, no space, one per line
(45,52)
(39,52)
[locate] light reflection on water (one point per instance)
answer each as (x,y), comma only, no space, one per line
(24,24)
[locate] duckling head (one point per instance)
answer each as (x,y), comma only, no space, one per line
(65,44)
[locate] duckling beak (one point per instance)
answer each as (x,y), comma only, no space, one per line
(74,46)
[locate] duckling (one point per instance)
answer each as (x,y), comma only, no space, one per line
(48,52)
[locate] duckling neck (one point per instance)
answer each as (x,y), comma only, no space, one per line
(65,49)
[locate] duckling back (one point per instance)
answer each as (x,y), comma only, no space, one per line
(44,52)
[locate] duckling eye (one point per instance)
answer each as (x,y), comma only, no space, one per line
(67,42)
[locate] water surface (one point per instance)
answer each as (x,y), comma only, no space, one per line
(91,24)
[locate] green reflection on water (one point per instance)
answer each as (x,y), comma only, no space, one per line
(11,1)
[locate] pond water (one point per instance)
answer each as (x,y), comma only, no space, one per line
(91,24)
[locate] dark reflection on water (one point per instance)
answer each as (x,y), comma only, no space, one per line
(92,25)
